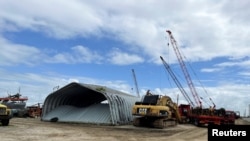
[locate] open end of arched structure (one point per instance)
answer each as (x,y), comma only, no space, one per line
(86,103)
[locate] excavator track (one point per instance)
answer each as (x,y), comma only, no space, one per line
(154,123)
(162,123)
(136,122)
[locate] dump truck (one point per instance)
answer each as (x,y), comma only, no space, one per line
(5,115)
(156,111)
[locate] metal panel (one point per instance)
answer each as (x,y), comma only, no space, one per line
(82,103)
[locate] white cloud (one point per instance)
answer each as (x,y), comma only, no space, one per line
(210,69)
(14,54)
(38,86)
(121,58)
(59,19)
(204,30)
(238,63)
(86,55)
(141,23)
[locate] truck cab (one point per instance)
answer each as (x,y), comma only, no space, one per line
(230,117)
(5,115)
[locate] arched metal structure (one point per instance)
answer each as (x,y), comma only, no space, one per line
(87,103)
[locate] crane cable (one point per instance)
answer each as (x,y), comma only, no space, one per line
(168,76)
(210,99)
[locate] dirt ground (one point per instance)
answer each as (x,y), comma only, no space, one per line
(33,129)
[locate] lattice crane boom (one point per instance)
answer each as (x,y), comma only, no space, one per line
(184,69)
(136,85)
(184,93)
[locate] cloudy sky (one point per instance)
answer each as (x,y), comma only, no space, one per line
(45,44)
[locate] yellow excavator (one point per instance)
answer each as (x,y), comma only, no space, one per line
(155,111)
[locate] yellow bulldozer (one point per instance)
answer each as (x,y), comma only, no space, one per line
(155,111)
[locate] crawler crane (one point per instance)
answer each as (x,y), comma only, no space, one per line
(199,115)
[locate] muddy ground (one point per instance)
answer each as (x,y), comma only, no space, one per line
(33,129)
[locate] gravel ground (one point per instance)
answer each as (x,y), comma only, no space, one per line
(33,129)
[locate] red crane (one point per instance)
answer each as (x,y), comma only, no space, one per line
(184,69)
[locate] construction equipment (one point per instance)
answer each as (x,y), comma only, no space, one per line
(15,102)
(33,111)
(184,93)
(185,71)
(197,114)
(155,111)
(136,85)
(230,117)
(5,115)
(237,114)
(183,109)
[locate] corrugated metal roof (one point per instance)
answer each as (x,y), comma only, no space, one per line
(83,103)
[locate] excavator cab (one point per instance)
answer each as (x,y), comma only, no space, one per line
(150,99)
